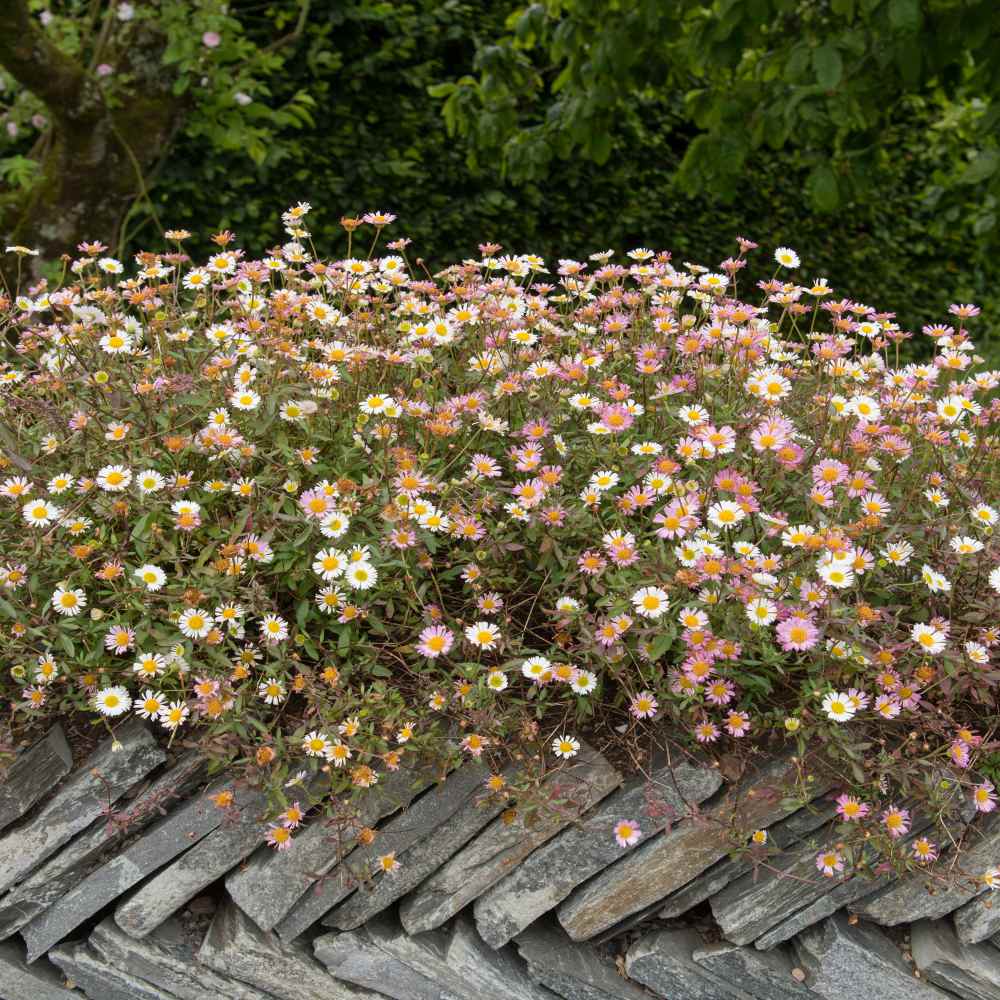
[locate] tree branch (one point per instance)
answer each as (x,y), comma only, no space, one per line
(36,62)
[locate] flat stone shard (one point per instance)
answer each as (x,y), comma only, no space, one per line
(271,883)
(99,979)
(34,773)
(167,959)
(172,835)
(83,854)
(546,877)
(665,862)
(913,897)
(490,856)
(663,962)
(841,960)
(19,981)
(764,975)
(208,860)
(443,964)
(979,919)
(971,971)
(573,971)
(236,948)
(420,861)
(783,834)
(103,778)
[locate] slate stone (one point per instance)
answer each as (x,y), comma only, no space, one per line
(663,962)
(573,971)
(83,854)
(664,863)
(452,964)
(782,834)
(208,860)
(268,887)
(19,981)
(103,778)
(546,877)
(235,947)
(464,813)
(172,835)
(33,773)
(408,828)
(979,919)
(570,791)
(759,900)
(916,896)
(971,971)
(764,975)
(99,979)
(841,960)
(840,895)
(167,959)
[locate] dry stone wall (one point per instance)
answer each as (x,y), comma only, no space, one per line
(122,880)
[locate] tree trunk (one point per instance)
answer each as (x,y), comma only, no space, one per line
(96,160)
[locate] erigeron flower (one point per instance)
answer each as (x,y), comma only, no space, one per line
(272,691)
(174,715)
(68,602)
(786,257)
(483,635)
(316,744)
(650,602)
(644,705)
(565,746)
(151,576)
(149,704)
(829,862)
(113,701)
(627,833)
(40,513)
(361,576)
(435,641)
(496,680)
(896,821)
(273,628)
(195,623)
(838,707)
(114,478)
(929,638)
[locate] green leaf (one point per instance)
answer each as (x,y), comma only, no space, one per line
(983,166)
(828,65)
(904,15)
(843,8)
(824,191)
(600,146)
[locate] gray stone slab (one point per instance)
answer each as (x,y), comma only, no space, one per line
(664,863)
(663,961)
(979,919)
(33,773)
(757,901)
(406,829)
(101,980)
(19,981)
(547,876)
(842,894)
(573,971)
(235,947)
(714,879)
(764,975)
(919,896)
(165,840)
(209,859)
(167,959)
(85,852)
(970,971)
(570,792)
(271,883)
(453,964)
(101,780)
(464,813)
(841,960)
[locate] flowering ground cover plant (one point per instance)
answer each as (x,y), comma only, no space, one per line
(323,517)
